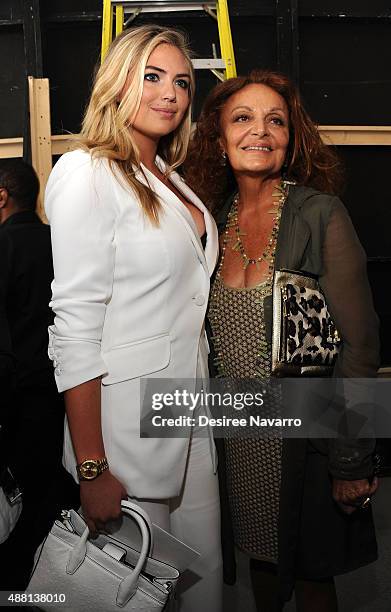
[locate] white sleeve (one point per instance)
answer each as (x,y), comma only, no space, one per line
(80,207)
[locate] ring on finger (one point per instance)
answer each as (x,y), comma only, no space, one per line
(366,502)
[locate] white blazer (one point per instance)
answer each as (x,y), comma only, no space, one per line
(130,302)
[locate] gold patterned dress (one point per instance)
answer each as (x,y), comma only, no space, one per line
(253,464)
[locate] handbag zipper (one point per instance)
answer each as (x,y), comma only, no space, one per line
(284,297)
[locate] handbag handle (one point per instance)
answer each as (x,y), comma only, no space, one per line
(128,586)
(126,506)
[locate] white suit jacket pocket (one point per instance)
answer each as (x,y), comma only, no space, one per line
(137,359)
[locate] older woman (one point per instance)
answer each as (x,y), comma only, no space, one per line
(130,293)
(258,161)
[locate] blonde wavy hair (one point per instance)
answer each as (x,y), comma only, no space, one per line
(106,128)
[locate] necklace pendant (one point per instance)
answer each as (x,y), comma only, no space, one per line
(246,263)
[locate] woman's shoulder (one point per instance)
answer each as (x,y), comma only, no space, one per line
(79,180)
(79,161)
(78,169)
(313,204)
(302,196)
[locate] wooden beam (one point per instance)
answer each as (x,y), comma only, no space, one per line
(356,135)
(360,135)
(63,143)
(11,147)
(384,372)
(41,140)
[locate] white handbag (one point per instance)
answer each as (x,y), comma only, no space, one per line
(103,574)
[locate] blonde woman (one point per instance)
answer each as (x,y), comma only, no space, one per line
(130,291)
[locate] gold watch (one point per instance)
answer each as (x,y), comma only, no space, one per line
(89,469)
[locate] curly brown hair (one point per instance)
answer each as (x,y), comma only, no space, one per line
(309,161)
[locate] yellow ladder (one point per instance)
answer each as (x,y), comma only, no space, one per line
(217,9)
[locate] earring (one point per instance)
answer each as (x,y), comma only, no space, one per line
(224,158)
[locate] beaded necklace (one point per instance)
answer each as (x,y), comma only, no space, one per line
(279,196)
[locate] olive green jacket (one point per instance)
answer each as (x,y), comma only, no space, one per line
(316,236)
(316,539)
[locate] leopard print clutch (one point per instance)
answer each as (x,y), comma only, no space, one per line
(305,339)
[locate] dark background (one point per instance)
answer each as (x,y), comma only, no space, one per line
(338,51)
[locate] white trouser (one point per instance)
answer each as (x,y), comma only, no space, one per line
(194,518)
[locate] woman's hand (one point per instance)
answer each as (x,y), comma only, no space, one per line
(101,500)
(351,494)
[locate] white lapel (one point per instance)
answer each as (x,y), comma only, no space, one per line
(210,255)
(212,240)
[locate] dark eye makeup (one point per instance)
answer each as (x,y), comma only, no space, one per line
(153,77)
(183,83)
